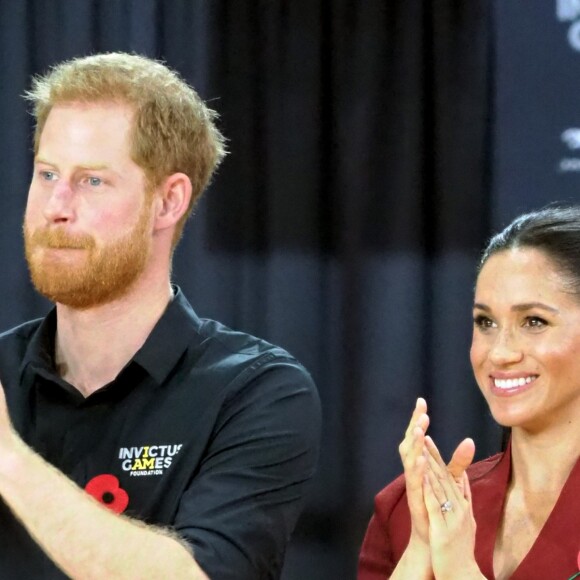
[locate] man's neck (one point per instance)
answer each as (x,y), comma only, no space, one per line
(92,346)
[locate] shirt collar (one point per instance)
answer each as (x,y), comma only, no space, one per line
(169,339)
(174,332)
(40,351)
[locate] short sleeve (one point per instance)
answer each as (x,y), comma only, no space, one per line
(240,509)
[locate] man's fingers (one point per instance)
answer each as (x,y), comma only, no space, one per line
(462,458)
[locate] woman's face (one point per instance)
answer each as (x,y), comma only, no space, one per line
(525,350)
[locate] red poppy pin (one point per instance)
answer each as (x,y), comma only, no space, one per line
(106,490)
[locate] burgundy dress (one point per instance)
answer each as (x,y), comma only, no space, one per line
(553,556)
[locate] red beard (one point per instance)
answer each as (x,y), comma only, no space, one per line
(81,273)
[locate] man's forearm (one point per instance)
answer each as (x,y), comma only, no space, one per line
(82,537)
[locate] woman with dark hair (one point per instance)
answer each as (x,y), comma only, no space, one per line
(517,514)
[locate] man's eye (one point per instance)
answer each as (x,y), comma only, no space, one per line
(48,175)
(94,181)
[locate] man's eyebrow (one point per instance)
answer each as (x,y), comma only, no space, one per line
(38,159)
(85,167)
(520,307)
(94,167)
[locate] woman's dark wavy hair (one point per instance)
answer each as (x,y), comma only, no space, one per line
(553,230)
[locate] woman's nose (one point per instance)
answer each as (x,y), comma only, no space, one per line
(506,349)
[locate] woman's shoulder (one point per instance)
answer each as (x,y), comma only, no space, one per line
(390,495)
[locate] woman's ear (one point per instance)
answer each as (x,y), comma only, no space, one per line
(172,200)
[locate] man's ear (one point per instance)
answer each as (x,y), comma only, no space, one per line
(172,200)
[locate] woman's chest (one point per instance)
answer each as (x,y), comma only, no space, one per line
(523,519)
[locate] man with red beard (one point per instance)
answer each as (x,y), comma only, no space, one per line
(136,439)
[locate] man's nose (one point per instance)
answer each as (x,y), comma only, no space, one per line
(60,205)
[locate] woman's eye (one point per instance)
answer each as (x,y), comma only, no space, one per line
(535,322)
(483,322)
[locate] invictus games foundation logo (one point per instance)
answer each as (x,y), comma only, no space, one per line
(148,459)
(569,11)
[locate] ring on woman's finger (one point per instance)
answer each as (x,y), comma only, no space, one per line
(446,506)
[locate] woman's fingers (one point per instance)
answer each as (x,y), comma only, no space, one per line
(421,417)
(451,530)
(460,461)
(414,480)
(443,479)
(413,439)
(467,487)
(417,418)
(414,464)
(434,452)
(467,492)
(461,458)
(433,493)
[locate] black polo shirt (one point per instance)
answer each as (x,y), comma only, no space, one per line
(211,432)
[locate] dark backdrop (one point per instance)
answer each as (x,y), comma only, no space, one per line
(374,145)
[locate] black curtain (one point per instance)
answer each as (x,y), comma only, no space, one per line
(345,224)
